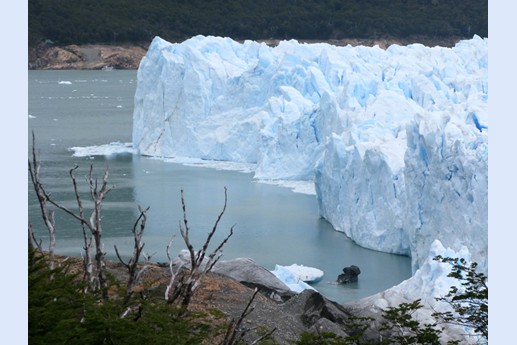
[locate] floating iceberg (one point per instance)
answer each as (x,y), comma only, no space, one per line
(292,280)
(305,273)
(395,140)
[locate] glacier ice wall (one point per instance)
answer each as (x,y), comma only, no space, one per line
(395,140)
(413,166)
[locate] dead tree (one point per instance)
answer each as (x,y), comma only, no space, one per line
(34,243)
(185,283)
(132,264)
(94,269)
(87,240)
(174,272)
(93,224)
(48,216)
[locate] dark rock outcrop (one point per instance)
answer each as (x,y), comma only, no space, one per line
(317,313)
(349,275)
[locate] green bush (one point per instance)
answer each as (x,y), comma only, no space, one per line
(61,313)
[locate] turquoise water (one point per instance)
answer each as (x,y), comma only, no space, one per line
(273,225)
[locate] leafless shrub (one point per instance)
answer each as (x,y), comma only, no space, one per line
(93,223)
(184,284)
(132,264)
(48,216)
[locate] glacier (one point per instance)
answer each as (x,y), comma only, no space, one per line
(395,140)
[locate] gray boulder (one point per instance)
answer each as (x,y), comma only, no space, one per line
(249,273)
(245,271)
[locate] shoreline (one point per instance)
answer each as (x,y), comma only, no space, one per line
(105,56)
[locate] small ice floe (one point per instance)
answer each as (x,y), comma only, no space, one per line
(290,279)
(64,82)
(306,274)
(110,149)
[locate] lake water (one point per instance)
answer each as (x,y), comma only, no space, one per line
(273,225)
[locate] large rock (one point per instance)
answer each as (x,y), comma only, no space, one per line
(313,307)
(245,271)
(349,275)
(248,272)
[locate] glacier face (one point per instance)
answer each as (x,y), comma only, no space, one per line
(395,140)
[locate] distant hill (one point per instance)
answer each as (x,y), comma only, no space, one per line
(64,22)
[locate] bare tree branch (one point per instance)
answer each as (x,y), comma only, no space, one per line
(48,216)
(268,334)
(87,258)
(173,284)
(185,231)
(132,263)
(97,280)
(234,334)
(33,241)
(185,284)
(201,253)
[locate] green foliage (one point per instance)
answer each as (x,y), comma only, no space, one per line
(55,303)
(470,301)
(136,21)
(355,328)
(61,313)
(324,338)
(402,328)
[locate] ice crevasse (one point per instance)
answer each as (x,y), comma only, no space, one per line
(395,140)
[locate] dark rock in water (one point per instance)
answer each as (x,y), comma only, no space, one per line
(349,275)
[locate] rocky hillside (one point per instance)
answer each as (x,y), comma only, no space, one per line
(284,313)
(85,57)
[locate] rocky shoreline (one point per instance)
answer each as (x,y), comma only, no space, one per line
(86,57)
(103,56)
(229,288)
(230,285)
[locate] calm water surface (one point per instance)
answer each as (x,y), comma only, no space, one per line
(273,225)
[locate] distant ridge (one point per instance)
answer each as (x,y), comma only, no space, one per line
(136,22)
